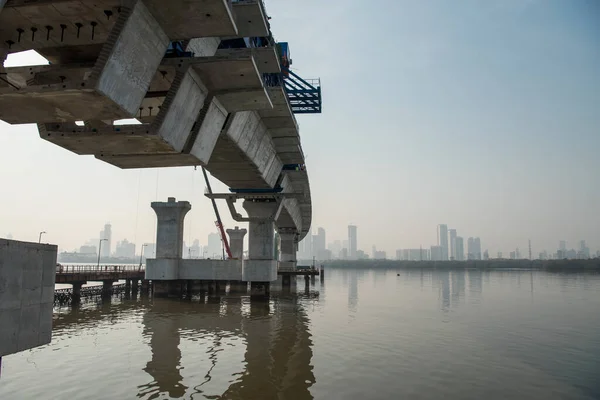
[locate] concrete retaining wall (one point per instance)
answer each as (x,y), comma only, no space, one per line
(27,274)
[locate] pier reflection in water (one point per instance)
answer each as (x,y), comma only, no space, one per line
(376,334)
(236,347)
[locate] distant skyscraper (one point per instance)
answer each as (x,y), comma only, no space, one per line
(398,254)
(562,245)
(125,249)
(213,248)
(106,244)
(437,253)
(305,248)
(443,240)
(452,233)
(460,249)
(477,249)
(470,248)
(352,242)
(318,243)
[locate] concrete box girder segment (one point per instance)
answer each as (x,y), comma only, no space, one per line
(235,81)
(250,18)
(115,87)
(168,132)
(26,25)
(197,150)
(186,19)
(265,57)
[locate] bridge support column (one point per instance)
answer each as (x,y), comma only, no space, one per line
(236,242)
(77,291)
(174,288)
(169,240)
(107,288)
(289,247)
(261,266)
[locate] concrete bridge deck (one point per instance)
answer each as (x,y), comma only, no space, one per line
(205,79)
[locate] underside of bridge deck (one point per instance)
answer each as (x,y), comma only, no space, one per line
(198,101)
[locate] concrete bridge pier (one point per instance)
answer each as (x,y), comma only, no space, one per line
(107,288)
(289,248)
(169,236)
(77,291)
(261,266)
(236,242)
(145,287)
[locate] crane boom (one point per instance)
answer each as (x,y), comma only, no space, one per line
(218,222)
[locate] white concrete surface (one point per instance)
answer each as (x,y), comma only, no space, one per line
(288,246)
(27,274)
(259,271)
(219,270)
(169,231)
(131,64)
(180,109)
(261,228)
(236,242)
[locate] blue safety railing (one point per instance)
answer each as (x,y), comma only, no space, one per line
(304,94)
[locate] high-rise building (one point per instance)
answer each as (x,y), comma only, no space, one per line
(88,249)
(477,248)
(437,253)
(470,248)
(399,254)
(125,249)
(305,248)
(584,251)
(562,245)
(213,249)
(106,234)
(318,243)
(352,242)
(452,233)
(443,240)
(460,249)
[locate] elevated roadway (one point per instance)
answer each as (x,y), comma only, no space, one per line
(204,78)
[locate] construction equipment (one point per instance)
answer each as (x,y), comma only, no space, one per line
(304,95)
(218,222)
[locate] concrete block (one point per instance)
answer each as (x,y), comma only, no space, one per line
(194,18)
(10,320)
(23,266)
(29,327)
(112,89)
(47,294)
(209,127)
(235,125)
(161,160)
(251,19)
(46,320)
(245,99)
(203,47)
(259,270)
(11,284)
(180,109)
(162,268)
(130,58)
(220,270)
(169,233)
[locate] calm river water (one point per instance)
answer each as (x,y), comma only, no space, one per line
(361,334)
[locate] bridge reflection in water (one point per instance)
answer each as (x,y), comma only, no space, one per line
(196,346)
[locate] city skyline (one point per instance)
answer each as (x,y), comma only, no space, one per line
(450,249)
(485,118)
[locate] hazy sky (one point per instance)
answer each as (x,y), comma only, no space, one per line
(483,115)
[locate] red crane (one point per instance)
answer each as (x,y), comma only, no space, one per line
(218,222)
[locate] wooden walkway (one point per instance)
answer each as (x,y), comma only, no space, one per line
(84,273)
